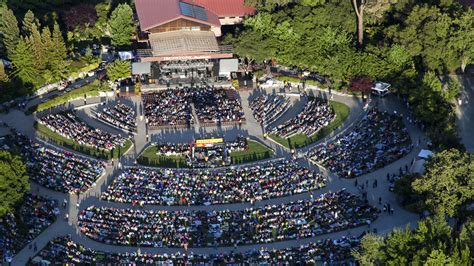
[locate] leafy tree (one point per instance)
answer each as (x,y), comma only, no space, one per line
(375,8)
(79,17)
(102,11)
(121,25)
(13,181)
(425,33)
(21,59)
(3,75)
(361,84)
(370,252)
(462,38)
(9,29)
(432,243)
(448,182)
(118,70)
(28,21)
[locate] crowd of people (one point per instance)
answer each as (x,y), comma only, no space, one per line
(58,170)
(268,108)
(172,107)
(204,156)
(330,212)
(68,125)
(20,226)
(217,105)
(120,116)
(168,108)
(63,250)
(316,114)
(379,139)
(203,187)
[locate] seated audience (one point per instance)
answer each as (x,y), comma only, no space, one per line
(315,115)
(58,170)
(71,127)
(29,219)
(331,212)
(63,250)
(196,187)
(120,116)
(379,139)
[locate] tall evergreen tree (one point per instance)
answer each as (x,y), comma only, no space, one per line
(121,25)
(28,21)
(36,44)
(10,31)
(48,46)
(58,55)
(21,59)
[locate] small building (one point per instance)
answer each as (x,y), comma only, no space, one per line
(380,88)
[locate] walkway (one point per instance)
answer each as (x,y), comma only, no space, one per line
(384,223)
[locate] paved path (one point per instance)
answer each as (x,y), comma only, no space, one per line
(384,223)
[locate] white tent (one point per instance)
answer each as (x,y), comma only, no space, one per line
(425,154)
(418,167)
(380,88)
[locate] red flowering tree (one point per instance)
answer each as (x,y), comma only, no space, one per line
(79,16)
(362,84)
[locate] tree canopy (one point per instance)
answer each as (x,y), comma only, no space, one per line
(434,242)
(13,181)
(118,70)
(448,183)
(121,25)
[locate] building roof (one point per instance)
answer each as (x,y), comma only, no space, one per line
(153,13)
(183,43)
(225,8)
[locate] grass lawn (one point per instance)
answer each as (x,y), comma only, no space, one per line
(91,90)
(255,152)
(301,140)
(150,158)
(68,143)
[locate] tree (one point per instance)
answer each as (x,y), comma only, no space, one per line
(36,44)
(13,181)
(362,84)
(121,25)
(58,63)
(433,242)
(77,17)
(10,31)
(118,70)
(370,252)
(462,38)
(3,75)
(376,8)
(21,59)
(448,182)
(425,33)
(28,21)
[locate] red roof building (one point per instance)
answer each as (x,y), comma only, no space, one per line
(155,13)
(225,8)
